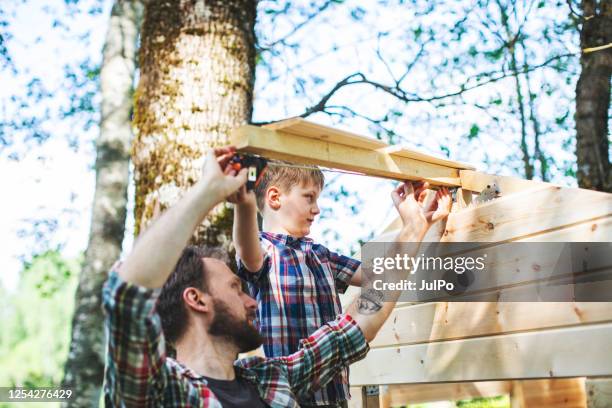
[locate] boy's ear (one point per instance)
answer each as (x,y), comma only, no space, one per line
(273,197)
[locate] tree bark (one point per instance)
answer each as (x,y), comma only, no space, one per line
(593,97)
(84,370)
(197,62)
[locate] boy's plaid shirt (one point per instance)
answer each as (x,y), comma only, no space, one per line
(139,374)
(297,292)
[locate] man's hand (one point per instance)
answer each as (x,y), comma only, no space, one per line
(158,249)
(416,215)
(371,309)
(218,176)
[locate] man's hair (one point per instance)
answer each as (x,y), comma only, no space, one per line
(285,178)
(188,272)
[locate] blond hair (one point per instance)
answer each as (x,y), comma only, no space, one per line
(285,178)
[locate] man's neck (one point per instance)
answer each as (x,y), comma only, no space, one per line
(208,356)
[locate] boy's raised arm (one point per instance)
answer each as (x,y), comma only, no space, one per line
(157,251)
(245,231)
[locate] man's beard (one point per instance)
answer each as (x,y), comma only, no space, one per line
(241,333)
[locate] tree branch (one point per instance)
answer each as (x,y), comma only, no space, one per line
(298,27)
(406,97)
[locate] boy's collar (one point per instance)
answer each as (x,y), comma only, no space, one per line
(285,239)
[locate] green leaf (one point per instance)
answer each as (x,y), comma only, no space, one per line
(418,32)
(445,150)
(495,54)
(474,130)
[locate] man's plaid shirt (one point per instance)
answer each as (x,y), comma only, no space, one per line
(139,373)
(297,292)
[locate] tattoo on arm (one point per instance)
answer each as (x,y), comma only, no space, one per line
(370,301)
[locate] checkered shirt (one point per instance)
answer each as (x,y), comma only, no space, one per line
(140,374)
(297,292)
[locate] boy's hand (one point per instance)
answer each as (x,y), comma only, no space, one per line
(243,198)
(218,177)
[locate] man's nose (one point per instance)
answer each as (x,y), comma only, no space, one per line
(250,303)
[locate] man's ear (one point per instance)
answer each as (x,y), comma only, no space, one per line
(273,197)
(196,300)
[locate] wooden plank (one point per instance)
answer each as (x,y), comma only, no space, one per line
(280,145)
(404,394)
(599,392)
(356,401)
(478,181)
(429,322)
(594,287)
(598,230)
(567,352)
(302,127)
(554,393)
(521,215)
(464,198)
(370,400)
(549,393)
(472,224)
(398,150)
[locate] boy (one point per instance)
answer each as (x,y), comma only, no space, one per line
(296,281)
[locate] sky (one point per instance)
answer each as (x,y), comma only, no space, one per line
(56,180)
(51,180)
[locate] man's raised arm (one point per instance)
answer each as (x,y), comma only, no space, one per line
(369,310)
(157,251)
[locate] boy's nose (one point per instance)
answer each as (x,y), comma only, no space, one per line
(315,210)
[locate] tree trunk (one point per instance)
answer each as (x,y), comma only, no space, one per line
(197,62)
(84,370)
(593,97)
(511,41)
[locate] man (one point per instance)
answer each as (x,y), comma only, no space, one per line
(207,316)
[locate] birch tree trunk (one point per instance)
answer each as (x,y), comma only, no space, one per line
(593,97)
(84,370)
(197,62)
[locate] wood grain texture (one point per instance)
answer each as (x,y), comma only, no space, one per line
(301,149)
(566,352)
